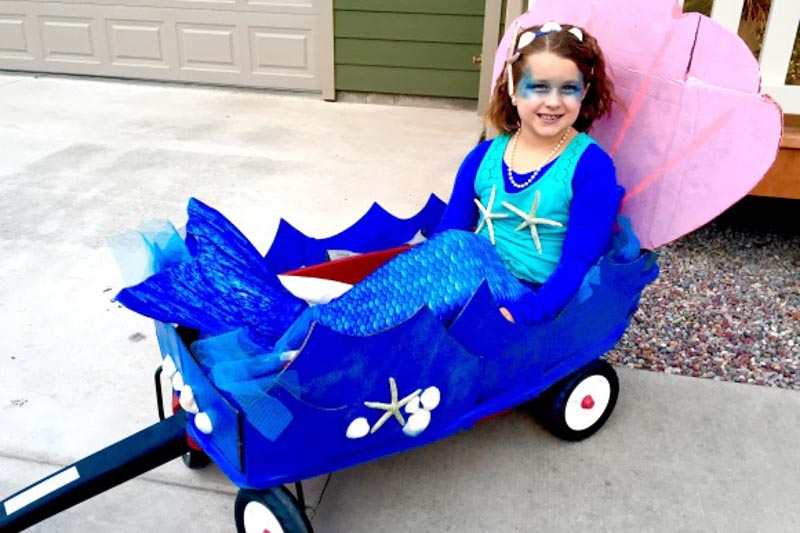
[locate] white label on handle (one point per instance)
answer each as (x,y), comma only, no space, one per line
(41,490)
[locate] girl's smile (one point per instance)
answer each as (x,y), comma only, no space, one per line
(549,96)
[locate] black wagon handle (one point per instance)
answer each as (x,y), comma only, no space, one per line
(112,466)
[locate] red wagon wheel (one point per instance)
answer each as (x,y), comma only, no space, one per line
(576,407)
(273,510)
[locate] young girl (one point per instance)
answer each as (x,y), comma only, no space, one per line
(543,192)
(543,196)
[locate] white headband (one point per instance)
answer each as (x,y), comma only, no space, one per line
(521,41)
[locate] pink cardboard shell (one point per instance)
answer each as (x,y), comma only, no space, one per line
(693,135)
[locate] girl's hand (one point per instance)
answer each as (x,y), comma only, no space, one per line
(507,314)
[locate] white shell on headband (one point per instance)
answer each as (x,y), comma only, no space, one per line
(550,26)
(525,39)
(577,33)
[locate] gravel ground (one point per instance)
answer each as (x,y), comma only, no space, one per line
(726,305)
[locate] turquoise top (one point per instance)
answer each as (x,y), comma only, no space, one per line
(530,247)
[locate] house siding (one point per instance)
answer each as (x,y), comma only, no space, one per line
(418,47)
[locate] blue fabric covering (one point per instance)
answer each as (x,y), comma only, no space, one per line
(625,248)
(378,305)
(442,273)
(594,205)
(219,284)
(225,290)
(376,230)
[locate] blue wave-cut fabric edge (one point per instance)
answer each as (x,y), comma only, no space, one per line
(508,355)
(376,230)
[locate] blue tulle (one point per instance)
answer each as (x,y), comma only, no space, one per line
(152,248)
(625,245)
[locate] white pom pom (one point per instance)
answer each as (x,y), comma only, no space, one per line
(430,398)
(413,405)
(203,423)
(358,428)
(177,382)
(417,423)
(168,367)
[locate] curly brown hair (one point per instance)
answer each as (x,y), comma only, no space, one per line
(586,55)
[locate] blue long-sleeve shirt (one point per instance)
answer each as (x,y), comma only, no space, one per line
(595,201)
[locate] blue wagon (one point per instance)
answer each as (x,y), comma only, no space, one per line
(326,410)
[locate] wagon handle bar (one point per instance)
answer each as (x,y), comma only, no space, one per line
(112,466)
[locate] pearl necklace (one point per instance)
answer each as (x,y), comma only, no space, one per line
(535,172)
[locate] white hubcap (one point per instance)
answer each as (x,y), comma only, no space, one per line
(587,403)
(259,519)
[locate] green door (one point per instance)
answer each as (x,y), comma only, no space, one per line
(418,47)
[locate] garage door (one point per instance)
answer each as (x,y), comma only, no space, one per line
(281,44)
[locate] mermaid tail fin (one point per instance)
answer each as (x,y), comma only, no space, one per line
(223,286)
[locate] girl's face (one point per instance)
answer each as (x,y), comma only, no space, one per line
(549,94)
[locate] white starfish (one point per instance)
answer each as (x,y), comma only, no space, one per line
(488,215)
(393,408)
(532,220)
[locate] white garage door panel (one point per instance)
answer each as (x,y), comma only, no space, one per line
(196,45)
(136,43)
(14,40)
(295,7)
(68,39)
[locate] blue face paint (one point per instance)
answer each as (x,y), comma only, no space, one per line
(531,87)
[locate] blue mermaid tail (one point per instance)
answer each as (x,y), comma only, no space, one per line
(251,322)
(226,286)
(441,273)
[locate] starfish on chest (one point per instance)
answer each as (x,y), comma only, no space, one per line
(488,215)
(531,220)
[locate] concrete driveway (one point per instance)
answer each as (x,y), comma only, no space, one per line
(81,160)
